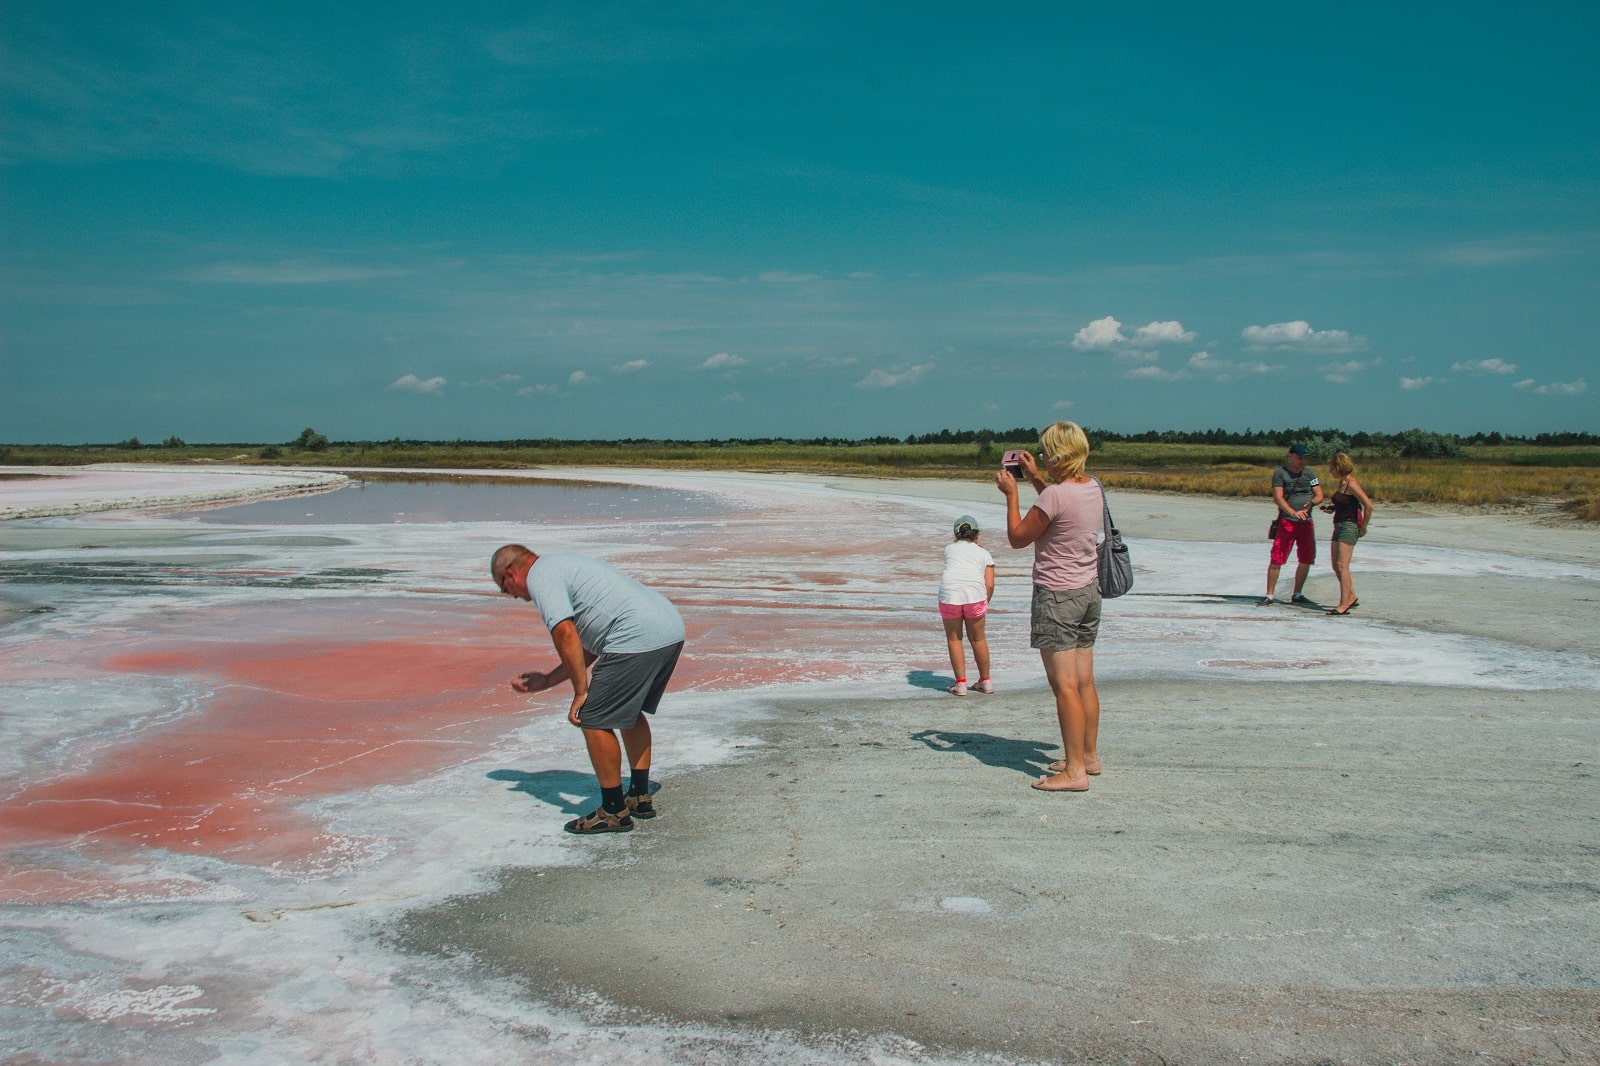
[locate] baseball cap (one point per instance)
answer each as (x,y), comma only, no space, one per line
(968,522)
(1298,449)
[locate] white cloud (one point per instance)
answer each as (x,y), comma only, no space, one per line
(1341,373)
(1150,373)
(862,275)
(631,366)
(722,359)
(883,379)
(733,397)
(1061,405)
(577,377)
(1138,355)
(784,276)
(1163,333)
(1526,383)
(542,390)
(1298,335)
(1413,384)
(1485,366)
(1563,388)
(1225,369)
(504,381)
(412,383)
(1101,333)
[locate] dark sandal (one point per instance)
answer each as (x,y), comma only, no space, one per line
(601,820)
(640,806)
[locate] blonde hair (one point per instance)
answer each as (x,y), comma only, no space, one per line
(1065,446)
(1341,465)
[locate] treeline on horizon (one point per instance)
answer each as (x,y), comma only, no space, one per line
(1410,443)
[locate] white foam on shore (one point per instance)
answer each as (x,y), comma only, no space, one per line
(46,491)
(202,957)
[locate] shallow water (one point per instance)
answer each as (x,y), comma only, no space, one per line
(543,501)
(234,755)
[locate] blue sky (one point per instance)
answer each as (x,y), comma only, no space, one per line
(794,219)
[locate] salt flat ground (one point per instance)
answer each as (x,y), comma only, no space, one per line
(1369,839)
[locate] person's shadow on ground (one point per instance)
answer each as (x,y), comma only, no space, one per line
(929,680)
(1254,599)
(1024,756)
(572,792)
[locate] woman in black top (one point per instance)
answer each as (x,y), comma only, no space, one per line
(1351,508)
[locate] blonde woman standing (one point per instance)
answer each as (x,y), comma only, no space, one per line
(1351,508)
(1064,527)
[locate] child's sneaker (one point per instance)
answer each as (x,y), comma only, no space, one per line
(986,686)
(958,689)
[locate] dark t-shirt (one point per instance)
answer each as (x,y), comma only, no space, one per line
(1297,488)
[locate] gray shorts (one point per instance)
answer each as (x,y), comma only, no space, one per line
(1064,621)
(623,686)
(1346,532)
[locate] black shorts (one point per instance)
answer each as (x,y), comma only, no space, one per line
(625,685)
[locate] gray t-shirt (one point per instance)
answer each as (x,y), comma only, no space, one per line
(1297,488)
(613,612)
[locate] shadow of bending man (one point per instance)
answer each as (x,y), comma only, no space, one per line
(567,790)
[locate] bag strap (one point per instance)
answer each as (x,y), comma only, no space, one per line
(1105,504)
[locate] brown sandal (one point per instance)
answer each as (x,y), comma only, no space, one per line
(601,820)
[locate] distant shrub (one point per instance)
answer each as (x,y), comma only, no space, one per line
(310,440)
(1422,444)
(173,442)
(1326,446)
(271,451)
(130,444)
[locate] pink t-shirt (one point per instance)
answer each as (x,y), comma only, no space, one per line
(1067,554)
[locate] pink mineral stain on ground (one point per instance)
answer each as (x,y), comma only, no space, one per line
(284,722)
(290,716)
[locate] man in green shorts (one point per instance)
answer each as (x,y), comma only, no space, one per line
(600,617)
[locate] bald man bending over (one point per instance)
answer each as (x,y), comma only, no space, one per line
(598,616)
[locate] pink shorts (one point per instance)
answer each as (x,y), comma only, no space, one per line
(964,610)
(1301,536)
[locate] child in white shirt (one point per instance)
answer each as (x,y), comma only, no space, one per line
(965,589)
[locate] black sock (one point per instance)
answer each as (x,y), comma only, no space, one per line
(611,800)
(639,783)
